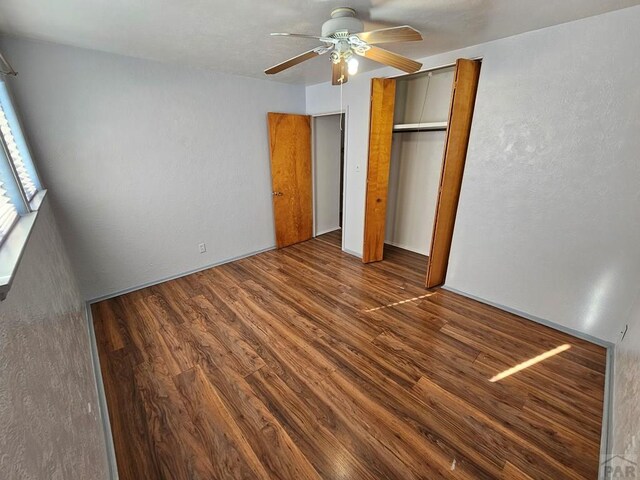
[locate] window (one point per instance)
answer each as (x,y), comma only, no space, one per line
(13,152)
(20,191)
(8,213)
(15,146)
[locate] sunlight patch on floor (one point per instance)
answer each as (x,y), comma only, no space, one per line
(530,362)
(398,303)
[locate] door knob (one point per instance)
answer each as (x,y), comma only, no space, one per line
(277,194)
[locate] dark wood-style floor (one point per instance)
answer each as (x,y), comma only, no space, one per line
(305,363)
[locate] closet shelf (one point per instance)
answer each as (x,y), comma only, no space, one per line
(426,126)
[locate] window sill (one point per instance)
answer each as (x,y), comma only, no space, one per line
(13,247)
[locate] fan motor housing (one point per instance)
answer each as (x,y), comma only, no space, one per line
(342,19)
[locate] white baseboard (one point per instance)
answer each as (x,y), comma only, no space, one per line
(178,275)
(351,252)
(607,409)
(533,318)
(102,399)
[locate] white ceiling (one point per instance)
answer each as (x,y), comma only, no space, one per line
(233,36)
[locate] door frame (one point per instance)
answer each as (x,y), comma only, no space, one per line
(345,127)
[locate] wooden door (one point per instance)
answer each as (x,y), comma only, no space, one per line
(459,126)
(290,150)
(383,95)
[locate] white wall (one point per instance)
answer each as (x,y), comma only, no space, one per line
(327,158)
(424,97)
(145,160)
(414,178)
(547,221)
(46,375)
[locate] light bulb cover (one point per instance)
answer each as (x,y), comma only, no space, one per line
(352,65)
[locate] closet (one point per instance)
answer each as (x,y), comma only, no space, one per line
(419,134)
(418,139)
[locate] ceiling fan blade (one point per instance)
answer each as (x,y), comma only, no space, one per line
(404,33)
(386,57)
(296,60)
(339,73)
(300,35)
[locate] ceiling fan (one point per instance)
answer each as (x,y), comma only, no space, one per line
(342,35)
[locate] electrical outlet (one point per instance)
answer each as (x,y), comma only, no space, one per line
(202,247)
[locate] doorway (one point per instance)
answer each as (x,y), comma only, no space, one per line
(328,175)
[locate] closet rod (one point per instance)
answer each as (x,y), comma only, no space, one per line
(420,127)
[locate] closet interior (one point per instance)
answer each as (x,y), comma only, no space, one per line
(422,103)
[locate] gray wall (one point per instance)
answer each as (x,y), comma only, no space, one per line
(414,181)
(548,218)
(46,376)
(145,161)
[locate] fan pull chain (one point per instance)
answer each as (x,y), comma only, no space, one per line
(424,103)
(341,106)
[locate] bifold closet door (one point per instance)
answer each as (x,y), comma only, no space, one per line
(290,150)
(383,94)
(459,126)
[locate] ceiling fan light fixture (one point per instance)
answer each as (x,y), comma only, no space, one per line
(352,65)
(342,35)
(343,21)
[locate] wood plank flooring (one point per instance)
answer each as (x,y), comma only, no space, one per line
(303,363)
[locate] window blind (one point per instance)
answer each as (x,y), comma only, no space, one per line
(8,213)
(28,185)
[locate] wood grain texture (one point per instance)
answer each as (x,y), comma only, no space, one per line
(292,62)
(290,150)
(403,33)
(383,92)
(304,363)
(392,59)
(459,127)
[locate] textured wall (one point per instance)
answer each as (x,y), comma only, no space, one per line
(548,216)
(626,406)
(547,222)
(46,377)
(145,160)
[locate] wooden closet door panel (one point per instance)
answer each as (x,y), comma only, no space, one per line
(459,127)
(290,150)
(383,93)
